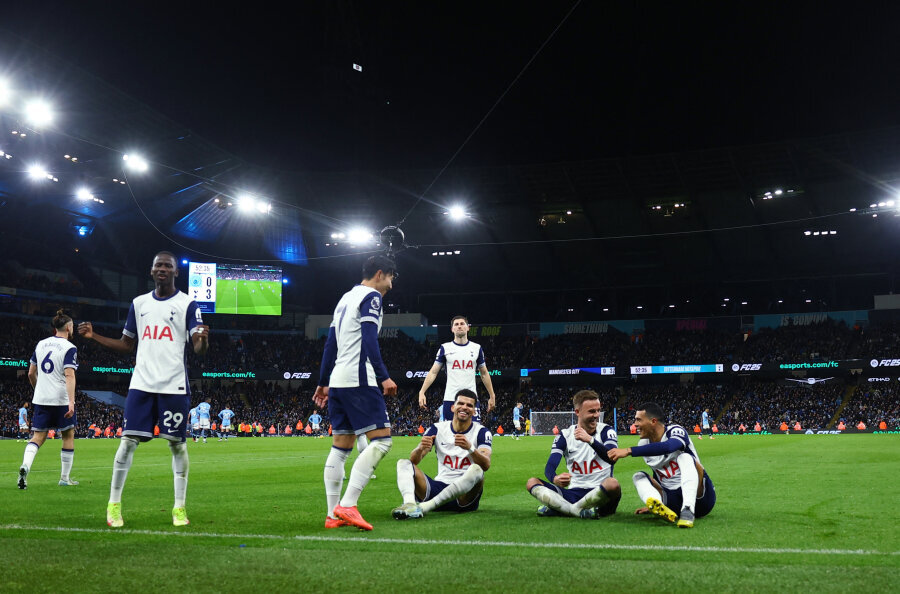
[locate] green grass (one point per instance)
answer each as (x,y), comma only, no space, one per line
(257,506)
(248,297)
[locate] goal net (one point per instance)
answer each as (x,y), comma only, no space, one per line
(542,423)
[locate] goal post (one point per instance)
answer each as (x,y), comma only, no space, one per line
(542,423)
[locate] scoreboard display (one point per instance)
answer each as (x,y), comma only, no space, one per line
(235,288)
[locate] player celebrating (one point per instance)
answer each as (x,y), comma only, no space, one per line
(51,372)
(315,420)
(162,322)
(668,450)
(517,419)
(463,450)
(203,412)
(23,423)
(462,358)
(348,384)
(225,416)
(588,490)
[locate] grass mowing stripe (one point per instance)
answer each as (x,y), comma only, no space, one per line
(465,543)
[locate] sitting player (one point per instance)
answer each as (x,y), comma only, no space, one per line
(588,490)
(668,450)
(463,450)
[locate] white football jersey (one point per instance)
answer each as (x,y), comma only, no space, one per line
(359,304)
(588,470)
(665,468)
(52,356)
(461,361)
(163,330)
(452,459)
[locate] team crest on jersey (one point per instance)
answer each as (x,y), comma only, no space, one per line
(376,302)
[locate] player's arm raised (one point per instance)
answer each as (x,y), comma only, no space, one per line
(124,344)
(429,379)
(422,449)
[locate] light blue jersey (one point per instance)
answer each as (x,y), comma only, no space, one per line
(705,419)
(203,410)
(226,416)
(315,419)
(195,416)
(516,414)
(23,416)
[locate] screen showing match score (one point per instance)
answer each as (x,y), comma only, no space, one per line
(236,288)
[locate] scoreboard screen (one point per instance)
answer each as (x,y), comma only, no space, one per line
(236,288)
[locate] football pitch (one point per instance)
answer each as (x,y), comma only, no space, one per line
(797,512)
(248,297)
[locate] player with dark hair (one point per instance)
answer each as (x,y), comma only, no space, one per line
(351,371)
(668,450)
(463,359)
(162,323)
(588,490)
(463,450)
(51,372)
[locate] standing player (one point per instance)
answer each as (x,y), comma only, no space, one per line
(23,423)
(463,450)
(668,450)
(225,427)
(195,423)
(203,413)
(588,490)
(704,423)
(517,419)
(162,322)
(51,372)
(315,420)
(348,382)
(462,358)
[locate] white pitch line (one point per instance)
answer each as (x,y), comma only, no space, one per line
(466,543)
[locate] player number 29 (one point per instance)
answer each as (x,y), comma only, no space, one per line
(169,417)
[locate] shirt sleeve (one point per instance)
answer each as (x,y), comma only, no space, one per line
(328,358)
(130,329)
(193,318)
(481,358)
(71,358)
(430,431)
(552,464)
(484,440)
(370,308)
(441,357)
(559,444)
(33,357)
(659,448)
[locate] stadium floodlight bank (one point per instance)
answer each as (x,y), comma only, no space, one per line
(542,423)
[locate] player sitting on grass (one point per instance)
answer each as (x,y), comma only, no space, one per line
(668,450)
(463,450)
(588,490)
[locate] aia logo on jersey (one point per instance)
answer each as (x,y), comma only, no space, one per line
(456,463)
(157,333)
(463,365)
(586,467)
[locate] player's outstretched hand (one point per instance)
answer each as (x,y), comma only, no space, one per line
(582,435)
(562,480)
(618,453)
(422,400)
(86,330)
(389,387)
(321,396)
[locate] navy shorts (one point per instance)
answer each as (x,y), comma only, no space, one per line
(357,410)
(448,414)
(143,410)
(434,487)
(575,494)
(48,416)
(673,500)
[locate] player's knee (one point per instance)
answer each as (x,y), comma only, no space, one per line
(382,446)
(639,476)
(177,447)
(612,486)
(532,483)
(404,465)
(475,472)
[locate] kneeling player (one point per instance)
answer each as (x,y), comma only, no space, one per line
(588,490)
(668,450)
(463,450)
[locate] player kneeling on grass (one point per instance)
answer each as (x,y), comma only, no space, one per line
(668,450)
(588,490)
(463,450)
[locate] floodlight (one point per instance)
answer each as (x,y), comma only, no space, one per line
(456,252)
(37,172)
(605,309)
(671,307)
(38,112)
(284,280)
(246,203)
(263,207)
(135,163)
(84,194)
(778,192)
(640,307)
(807,233)
(358,235)
(852,210)
(184,261)
(457,213)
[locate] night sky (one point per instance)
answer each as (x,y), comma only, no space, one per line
(278,88)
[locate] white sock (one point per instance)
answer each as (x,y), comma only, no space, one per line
(31,450)
(689,481)
(362,442)
(595,497)
(471,477)
(121,465)
(406,480)
(180,467)
(65,458)
(644,487)
(334,477)
(363,468)
(553,500)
